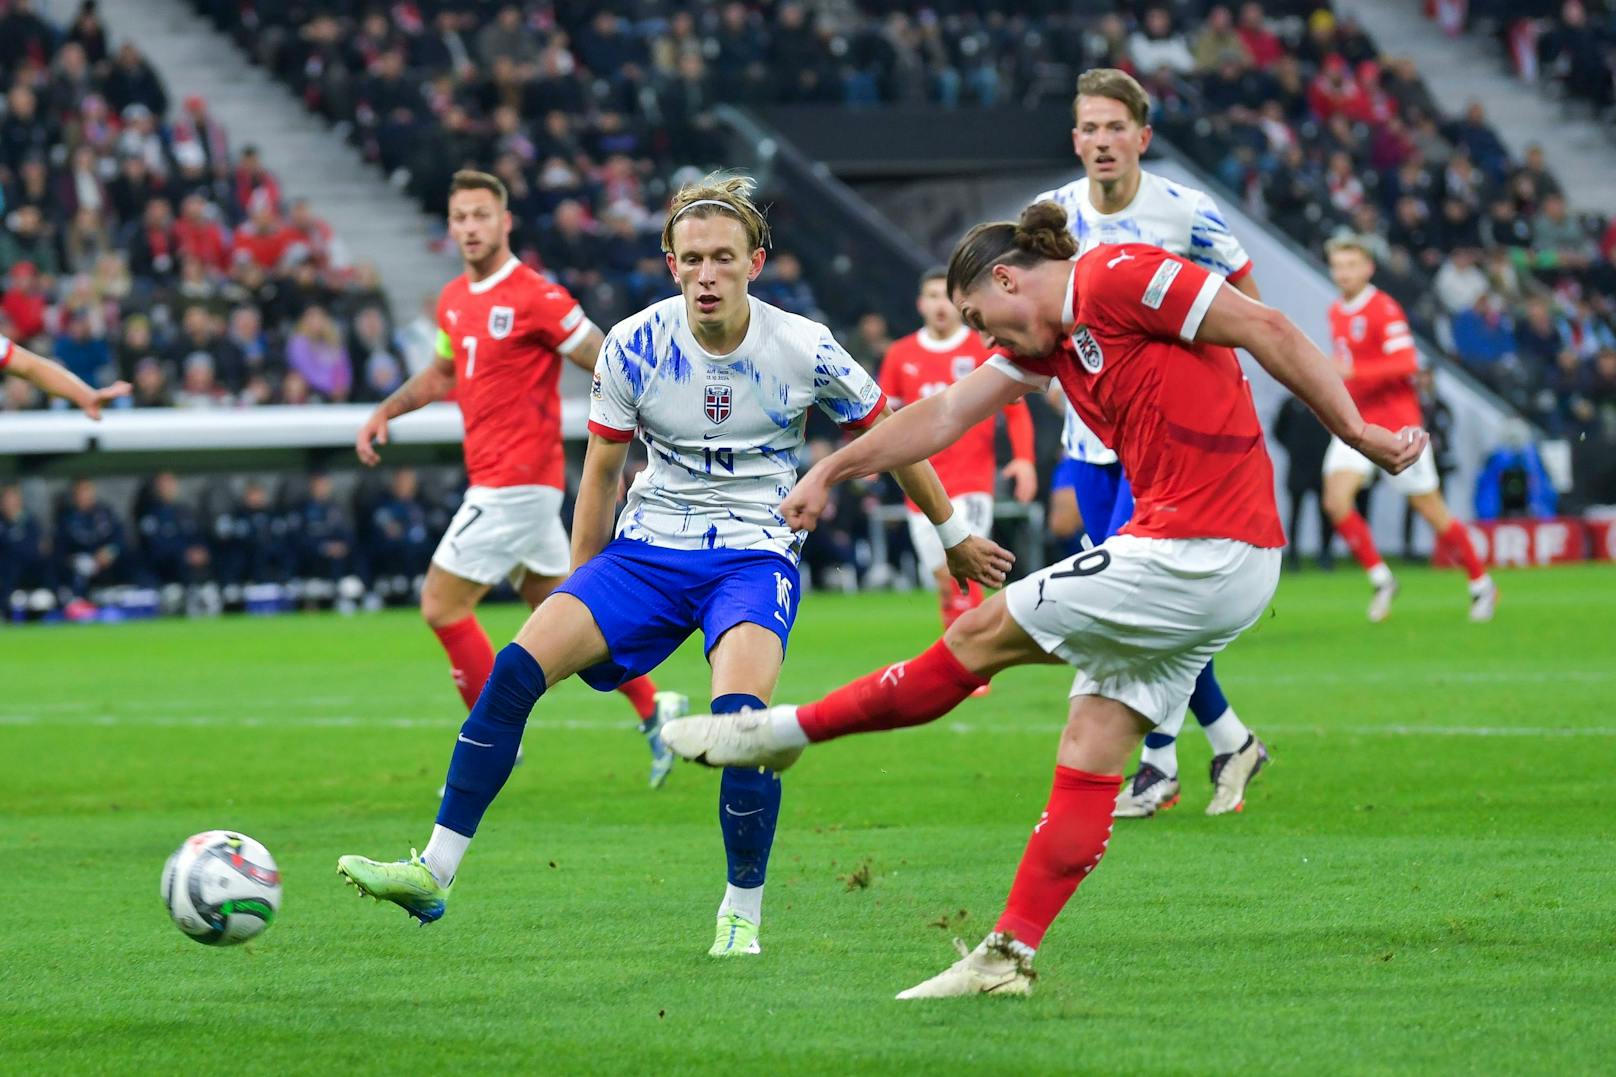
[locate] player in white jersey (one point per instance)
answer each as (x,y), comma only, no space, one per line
(1117,201)
(717,385)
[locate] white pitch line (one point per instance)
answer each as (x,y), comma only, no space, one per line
(349,721)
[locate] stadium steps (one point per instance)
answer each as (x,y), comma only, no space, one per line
(1458,70)
(378,223)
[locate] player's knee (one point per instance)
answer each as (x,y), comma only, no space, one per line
(975,638)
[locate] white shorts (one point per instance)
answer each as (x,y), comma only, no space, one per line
(1418,478)
(505,532)
(1140,617)
(976,510)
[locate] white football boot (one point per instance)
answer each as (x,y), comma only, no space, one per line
(993,968)
(1483,599)
(747,739)
(1380,606)
(1232,772)
(1146,793)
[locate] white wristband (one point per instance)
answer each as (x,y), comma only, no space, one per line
(952,531)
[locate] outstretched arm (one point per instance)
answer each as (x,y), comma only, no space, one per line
(920,430)
(56,379)
(1295,361)
(429,385)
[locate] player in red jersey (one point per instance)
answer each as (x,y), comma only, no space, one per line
(56,379)
(502,332)
(1374,351)
(927,361)
(1141,341)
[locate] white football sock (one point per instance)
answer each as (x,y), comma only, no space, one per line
(1164,759)
(1381,575)
(783,723)
(1227,733)
(743,901)
(443,853)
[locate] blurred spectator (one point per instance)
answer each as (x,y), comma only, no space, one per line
(27,240)
(90,548)
(1539,336)
(323,534)
(154,250)
(315,351)
(198,235)
(1305,441)
(1557,238)
(1156,45)
(784,286)
(24,556)
(262,237)
(134,82)
(1461,282)
(375,357)
(417,341)
(401,542)
(199,383)
(173,547)
(870,340)
(252,541)
(199,345)
(82,346)
(24,302)
(151,384)
(1484,339)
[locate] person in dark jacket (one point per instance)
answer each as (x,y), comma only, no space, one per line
(252,541)
(401,541)
(91,549)
(24,556)
(1305,440)
(173,548)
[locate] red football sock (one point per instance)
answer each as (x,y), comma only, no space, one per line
(1065,846)
(905,694)
(1457,539)
(471,656)
(642,694)
(1354,531)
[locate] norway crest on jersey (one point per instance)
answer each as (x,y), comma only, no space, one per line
(1088,350)
(500,322)
(716,402)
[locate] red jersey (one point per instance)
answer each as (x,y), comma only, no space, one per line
(1179,414)
(918,366)
(505,334)
(1371,333)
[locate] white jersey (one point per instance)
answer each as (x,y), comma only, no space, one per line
(723,433)
(1164,214)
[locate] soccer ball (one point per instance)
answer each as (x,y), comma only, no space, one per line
(221,887)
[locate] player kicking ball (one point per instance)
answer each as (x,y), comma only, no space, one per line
(502,332)
(942,351)
(1117,201)
(1374,352)
(717,385)
(1140,341)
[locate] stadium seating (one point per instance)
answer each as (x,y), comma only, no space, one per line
(140,242)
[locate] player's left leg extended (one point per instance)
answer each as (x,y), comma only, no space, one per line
(651,706)
(1454,537)
(746,666)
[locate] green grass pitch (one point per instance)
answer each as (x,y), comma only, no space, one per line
(1422,882)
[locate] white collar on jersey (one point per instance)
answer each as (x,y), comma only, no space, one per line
(947,344)
(1068,315)
(496,277)
(1357,304)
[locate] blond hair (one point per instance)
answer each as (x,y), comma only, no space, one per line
(471,180)
(714,194)
(1117,85)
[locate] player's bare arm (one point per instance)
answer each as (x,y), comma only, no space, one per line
(971,558)
(597,497)
(583,354)
(423,388)
(54,378)
(1296,362)
(916,433)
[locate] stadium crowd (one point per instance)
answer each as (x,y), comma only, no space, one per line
(139,242)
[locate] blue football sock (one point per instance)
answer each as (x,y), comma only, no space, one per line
(485,751)
(748,808)
(1207,702)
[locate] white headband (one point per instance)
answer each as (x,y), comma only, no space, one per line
(707,202)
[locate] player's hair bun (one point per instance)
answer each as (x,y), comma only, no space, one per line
(1042,231)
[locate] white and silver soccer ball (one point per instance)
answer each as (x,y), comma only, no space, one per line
(221,887)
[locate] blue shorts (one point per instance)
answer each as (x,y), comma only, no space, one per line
(647,600)
(1103,497)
